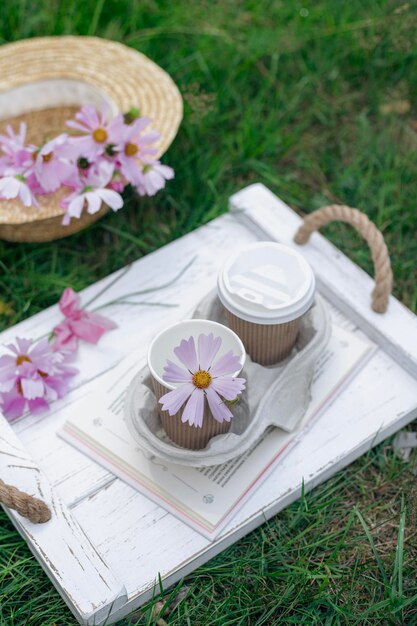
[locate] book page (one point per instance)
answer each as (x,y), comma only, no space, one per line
(205,498)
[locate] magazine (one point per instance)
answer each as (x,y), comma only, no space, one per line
(205,498)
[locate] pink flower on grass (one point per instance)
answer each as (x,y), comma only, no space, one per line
(133,147)
(202,379)
(16,186)
(32,376)
(53,166)
(79,324)
(97,135)
(152,178)
(93,191)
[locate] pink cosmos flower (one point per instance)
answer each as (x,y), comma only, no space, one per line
(133,147)
(97,132)
(16,155)
(202,379)
(92,192)
(79,324)
(32,376)
(16,186)
(12,139)
(52,165)
(152,178)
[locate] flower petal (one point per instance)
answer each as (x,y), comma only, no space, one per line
(93,202)
(194,409)
(32,388)
(7,371)
(76,206)
(9,187)
(23,345)
(187,354)
(227,364)
(38,405)
(228,388)
(25,195)
(69,302)
(218,408)
(113,199)
(173,400)
(129,168)
(13,404)
(175,374)
(208,347)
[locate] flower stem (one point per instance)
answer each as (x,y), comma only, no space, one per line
(142,291)
(144,303)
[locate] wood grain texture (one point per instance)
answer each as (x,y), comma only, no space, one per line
(137,539)
(61,546)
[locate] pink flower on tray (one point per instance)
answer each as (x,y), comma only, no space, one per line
(32,376)
(92,192)
(79,324)
(98,133)
(202,378)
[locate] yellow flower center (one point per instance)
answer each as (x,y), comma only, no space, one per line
(100,135)
(47,157)
(22,358)
(131,149)
(202,379)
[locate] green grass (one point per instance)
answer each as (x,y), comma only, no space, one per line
(295,95)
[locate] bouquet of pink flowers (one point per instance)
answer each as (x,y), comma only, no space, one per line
(95,164)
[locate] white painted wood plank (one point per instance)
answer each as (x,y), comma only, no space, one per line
(339,279)
(61,546)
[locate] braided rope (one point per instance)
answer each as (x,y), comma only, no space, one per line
(35,510)
(371,234)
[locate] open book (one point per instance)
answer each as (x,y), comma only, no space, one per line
(204,498)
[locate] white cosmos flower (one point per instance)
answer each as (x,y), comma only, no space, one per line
(93,194)
(16,187)
(152,178)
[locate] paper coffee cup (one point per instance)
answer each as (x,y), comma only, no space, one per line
(162,349)
(266,288)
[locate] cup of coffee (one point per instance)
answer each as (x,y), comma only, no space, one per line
(266,288)
(188,358)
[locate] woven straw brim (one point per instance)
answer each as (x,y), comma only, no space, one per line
(124,77)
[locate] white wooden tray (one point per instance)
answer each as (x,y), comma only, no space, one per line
(106,544)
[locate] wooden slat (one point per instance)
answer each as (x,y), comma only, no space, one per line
(61,546)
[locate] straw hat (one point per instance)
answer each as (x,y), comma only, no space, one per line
(43,81)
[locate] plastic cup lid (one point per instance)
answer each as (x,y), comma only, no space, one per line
(266,283)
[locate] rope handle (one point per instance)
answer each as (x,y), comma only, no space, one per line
(371,234)
(34,509)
